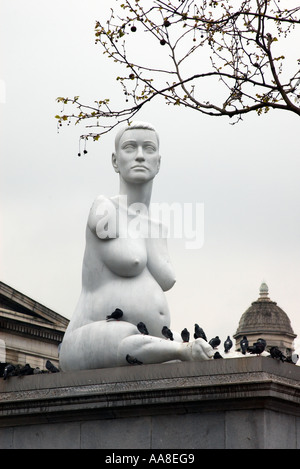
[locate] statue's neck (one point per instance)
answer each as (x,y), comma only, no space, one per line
(136,193)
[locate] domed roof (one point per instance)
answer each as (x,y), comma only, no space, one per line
(264,316)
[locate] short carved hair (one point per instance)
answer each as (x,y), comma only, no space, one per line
(134,125)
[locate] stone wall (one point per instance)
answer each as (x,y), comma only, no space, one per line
(231,403)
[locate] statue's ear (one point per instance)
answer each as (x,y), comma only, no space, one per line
(158,164)
(114,162)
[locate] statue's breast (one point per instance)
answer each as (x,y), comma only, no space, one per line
(125,256)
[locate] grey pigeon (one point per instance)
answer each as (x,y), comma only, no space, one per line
(244,345)
(227,344)
(132,360)
(199,333)
(292,358)
(262,341)
(277,354)
(167,333)
(9,370)
(50,367)
(142,328)
(217,355)
(185,335)
(215,342)
(2,368)
(117,314)
(25,370)
(257,348)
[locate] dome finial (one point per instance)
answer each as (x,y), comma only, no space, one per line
(264,290)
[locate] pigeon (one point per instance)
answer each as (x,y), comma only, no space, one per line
(117,314)
(217,355)
(185,335)
(50,367)
(2,368)
(227,344)
(262,341)
(295,358)
(132,360)
(25,370)
(199,333)
(244,345)
(167,333)
(292,358)
(9,370)
(277,354)
(214,342)
(257,348)
(142,328)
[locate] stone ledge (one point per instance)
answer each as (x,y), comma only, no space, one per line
(238,383)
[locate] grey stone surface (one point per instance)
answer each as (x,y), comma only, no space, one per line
(234,403)
(6,438)
(297,423)
(203,430)
(129,433)
(245,429)
(280,430)
(47,436)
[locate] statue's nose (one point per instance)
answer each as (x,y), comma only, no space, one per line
(140,154)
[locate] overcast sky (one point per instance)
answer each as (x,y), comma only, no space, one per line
(246,176)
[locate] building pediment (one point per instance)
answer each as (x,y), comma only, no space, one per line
(14,304)
(29,331)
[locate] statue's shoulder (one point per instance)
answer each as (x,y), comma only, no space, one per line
(102,201)
(101,207)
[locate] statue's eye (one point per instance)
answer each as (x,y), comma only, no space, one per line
(129,147)
(150,148)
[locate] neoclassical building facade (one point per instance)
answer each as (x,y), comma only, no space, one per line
(29,332)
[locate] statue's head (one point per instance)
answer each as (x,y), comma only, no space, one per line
(136,157)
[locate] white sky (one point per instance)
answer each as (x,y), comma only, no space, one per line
(247,177)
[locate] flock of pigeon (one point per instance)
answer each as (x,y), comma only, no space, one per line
(261,345)
(8,369)
(256,349)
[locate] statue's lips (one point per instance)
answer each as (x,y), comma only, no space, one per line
(139,167)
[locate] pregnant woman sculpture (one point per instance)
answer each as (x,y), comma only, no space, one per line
(126,267)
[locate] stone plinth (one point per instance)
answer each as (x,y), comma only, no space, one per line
(233,403)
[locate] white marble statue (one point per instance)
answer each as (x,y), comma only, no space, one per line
(126,266)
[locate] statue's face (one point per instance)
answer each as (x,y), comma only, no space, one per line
(137,157)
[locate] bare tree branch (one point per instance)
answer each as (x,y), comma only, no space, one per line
(235,47)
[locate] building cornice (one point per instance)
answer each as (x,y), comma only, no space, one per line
(33,329)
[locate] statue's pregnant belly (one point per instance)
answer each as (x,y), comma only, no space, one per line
(115,275)
(140,298)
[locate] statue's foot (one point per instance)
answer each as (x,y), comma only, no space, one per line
(198,350)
